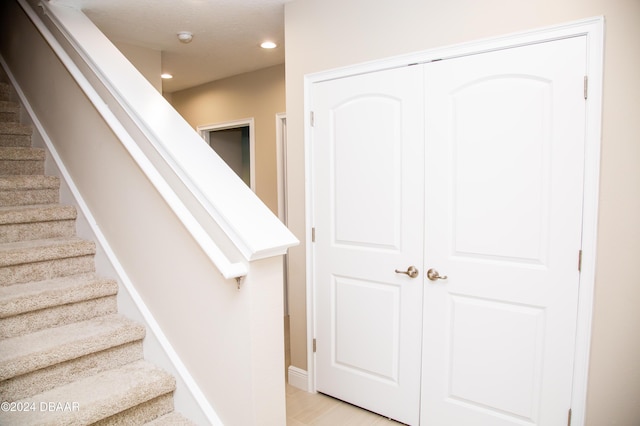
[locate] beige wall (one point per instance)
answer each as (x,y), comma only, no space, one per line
(231,341)
(259,94)
(147,61)
(325,34)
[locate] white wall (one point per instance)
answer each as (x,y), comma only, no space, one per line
(325,34)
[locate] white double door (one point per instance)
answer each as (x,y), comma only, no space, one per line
(472,168)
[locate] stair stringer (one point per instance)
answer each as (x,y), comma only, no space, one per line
(188,398)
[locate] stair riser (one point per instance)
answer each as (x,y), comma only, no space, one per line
(9,116)
(46,270)
(29,353)
(15,140)
(36,230)
(45,250)
(29,197)
(57,316)
(62,340)
(100,396)
(5,92)
(14,128)
(21,167)
(142,413)
(171,419)
(9,110)
(48,378)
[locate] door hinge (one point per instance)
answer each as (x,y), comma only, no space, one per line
(313,235)
(312,119)
(314,346)
(579,260)
(586,86)
(569,418)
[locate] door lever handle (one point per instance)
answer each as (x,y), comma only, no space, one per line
(433,275)
(412,271)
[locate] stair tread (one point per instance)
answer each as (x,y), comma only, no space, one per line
(21,252)
(97,397)
(61,349)
(30,352)
(14,129)
(9,106)
(36,213)
(172,419)
(16,153)
(20,298)
(22,182)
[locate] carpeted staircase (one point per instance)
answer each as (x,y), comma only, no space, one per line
(66,356)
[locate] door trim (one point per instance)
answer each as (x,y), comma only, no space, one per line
(283,204)
(593,30)
(281,161)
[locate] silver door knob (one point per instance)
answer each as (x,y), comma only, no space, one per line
(433,275)
(412,271)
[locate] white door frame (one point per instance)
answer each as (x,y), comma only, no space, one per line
(204,130)
(281,161)
(283,206)
(593,29)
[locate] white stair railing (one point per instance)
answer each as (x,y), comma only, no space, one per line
(171,154)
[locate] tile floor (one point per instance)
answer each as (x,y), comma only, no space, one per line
(305,408)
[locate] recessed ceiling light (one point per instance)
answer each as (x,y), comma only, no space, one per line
(268,45)
(185,36)
(166,76)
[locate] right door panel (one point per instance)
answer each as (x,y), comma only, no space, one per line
(504,157)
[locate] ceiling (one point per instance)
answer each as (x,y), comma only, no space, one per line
(226,34)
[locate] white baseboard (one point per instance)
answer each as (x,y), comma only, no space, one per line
(298,378)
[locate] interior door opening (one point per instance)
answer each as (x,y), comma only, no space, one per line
(233,146)
(234,143)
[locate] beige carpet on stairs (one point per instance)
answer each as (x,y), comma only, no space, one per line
(66,356)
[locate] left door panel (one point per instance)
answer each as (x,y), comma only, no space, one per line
(368,154)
